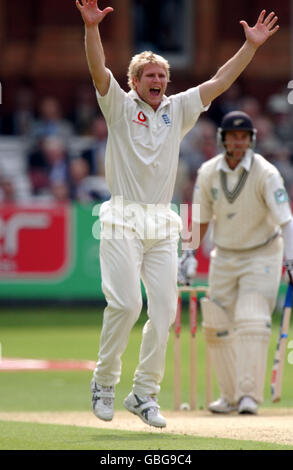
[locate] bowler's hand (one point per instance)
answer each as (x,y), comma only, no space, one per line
(264,28)
(187,266)
(90,12)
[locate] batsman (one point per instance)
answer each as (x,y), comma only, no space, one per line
(145,128)
(245,198)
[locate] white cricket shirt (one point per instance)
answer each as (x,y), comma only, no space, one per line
(246,215)
(143,145)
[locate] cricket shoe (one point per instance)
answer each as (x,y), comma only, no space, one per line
(247,406)
(102,401)
(146,408)
(221,406)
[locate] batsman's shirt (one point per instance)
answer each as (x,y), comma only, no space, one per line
(247,204)
(143,145)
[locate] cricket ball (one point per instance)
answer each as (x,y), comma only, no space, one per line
(185,407)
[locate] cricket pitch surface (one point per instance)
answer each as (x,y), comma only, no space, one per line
(270,425)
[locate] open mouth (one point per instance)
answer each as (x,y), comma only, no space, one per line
(155,91)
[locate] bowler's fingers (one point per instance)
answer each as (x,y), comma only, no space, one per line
(269,18)
(261,16)
(84,3)
(78,4)
(274,30)
(272,23)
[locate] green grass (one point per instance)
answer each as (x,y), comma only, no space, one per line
(57,334)
(50,334)
(62,334)
(32,436)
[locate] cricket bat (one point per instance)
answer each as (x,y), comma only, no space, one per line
(280,354)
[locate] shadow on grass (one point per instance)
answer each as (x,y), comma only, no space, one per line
(36,436)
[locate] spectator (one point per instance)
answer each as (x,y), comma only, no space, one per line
(227,102)
(84,111)
(250,106)
(19,122)
(60,192)
(50,121)
(48,165)
(8,193)
(84,187)
(78,171)
(207,140)
(182,179)
(199,145)
(281,160)
(281,114)
(95,155)
(266,141)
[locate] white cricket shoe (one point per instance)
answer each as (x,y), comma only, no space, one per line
(102,401)
(221,406)
(247,406)
(146,408)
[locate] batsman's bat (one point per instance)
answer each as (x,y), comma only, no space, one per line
(278,366)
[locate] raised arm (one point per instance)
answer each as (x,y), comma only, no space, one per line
(92,17)
(264,28)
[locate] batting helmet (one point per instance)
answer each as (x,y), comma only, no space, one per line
(236,121)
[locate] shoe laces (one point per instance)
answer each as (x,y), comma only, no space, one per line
(153,410)
(107,401)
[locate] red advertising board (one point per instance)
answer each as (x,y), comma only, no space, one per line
(34,241)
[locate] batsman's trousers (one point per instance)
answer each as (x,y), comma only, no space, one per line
(245,284)
(238,273)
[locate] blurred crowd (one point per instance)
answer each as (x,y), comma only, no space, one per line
(56,171)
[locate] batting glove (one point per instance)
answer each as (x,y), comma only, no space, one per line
(187,266)
(289,268)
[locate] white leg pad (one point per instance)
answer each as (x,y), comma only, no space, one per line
(253,329)
(219,336)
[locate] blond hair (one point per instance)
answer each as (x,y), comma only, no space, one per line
(139,61)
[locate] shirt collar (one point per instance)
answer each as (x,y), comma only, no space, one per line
(133,95)
(245,162)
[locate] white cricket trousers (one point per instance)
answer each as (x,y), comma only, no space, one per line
(124,262)
(245,284)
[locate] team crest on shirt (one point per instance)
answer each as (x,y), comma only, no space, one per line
(215,193)
(166,119)
(281,196)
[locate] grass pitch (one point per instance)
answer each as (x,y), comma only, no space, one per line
(35,436)
(59,334)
